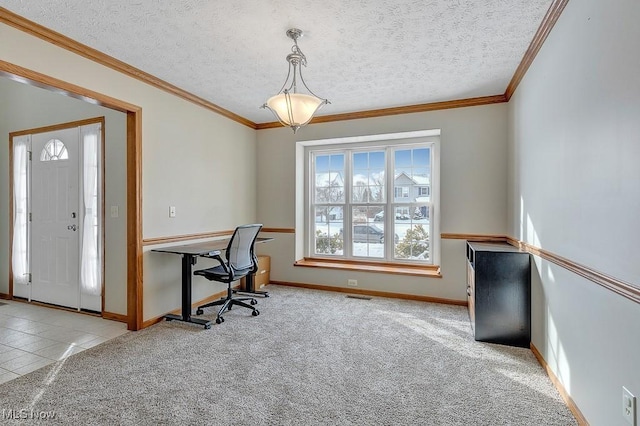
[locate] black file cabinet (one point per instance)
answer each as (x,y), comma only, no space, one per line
(499,293)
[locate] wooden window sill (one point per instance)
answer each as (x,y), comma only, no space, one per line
(430,271)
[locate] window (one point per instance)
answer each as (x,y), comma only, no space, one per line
(372,201)
(54,150)
(402,192)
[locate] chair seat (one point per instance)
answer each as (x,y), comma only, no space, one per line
(217,273)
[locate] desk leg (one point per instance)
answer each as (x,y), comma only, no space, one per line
(249,279)
(187,261)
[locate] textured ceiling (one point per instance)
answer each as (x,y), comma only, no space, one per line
(362,55)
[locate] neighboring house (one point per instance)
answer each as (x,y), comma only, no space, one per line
(411,189)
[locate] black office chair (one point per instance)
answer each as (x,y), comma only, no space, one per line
(240,261)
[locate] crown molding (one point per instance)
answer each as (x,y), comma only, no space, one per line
(53,37)
(548,22)
(48,35)
(409,109)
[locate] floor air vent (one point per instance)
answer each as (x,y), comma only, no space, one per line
(355,296)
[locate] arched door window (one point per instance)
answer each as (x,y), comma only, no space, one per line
(54,150)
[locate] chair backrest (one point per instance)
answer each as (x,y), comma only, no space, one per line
(240,253)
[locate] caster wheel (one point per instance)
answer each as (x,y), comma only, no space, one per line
(219,320)
(253,301)
(229,307)
(255,313)
(207,327)
(266,295)
(199,312)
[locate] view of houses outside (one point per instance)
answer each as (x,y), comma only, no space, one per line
(410,206)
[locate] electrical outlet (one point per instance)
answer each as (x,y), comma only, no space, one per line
(114,211)
(172,211)
(353,283)
(628,406)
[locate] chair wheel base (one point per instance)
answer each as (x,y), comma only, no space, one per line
(199,312)
(219,320)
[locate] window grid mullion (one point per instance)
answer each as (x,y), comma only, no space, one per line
(346,241)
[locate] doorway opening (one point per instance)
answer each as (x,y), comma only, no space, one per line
(134,318)
(58,218)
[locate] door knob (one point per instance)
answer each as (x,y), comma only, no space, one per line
(72,227)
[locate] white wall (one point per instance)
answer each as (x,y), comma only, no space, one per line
(574,144)
(26,107)
(194,159)
(473,177)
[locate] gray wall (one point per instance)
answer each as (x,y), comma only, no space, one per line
(574,144)
(192,158)
(473,176)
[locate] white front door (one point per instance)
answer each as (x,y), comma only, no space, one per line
(55,217)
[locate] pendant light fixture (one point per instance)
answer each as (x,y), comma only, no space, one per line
(293,108)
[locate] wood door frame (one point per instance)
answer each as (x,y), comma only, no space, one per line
(52,128)
(134,175)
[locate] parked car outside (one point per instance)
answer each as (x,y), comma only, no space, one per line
(369,234)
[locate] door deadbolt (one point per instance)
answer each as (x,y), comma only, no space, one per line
(73,215)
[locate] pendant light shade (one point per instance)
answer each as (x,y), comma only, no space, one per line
(291,108)
(294,109)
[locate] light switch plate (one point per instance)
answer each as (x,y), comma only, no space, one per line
(114,211)
(628,406)
(172,211)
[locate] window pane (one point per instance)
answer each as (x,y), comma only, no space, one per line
(368,176)
(367,237)
(412,224)
(329,178)
(413,242)
(53,150)
(328,230)
(412,175)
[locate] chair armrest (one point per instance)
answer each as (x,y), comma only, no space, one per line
(217,255)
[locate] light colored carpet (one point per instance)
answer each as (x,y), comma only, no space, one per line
(310,357)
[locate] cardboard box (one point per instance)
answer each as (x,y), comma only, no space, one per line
(262,275)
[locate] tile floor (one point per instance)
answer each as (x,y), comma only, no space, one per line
(32,337)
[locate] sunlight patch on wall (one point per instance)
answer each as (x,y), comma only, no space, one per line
(555,354)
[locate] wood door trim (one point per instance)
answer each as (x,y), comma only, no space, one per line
(46,129)
(60,126)
(134,172)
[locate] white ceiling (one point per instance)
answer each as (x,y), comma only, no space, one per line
(362,55)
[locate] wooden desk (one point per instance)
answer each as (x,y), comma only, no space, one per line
(190,254)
